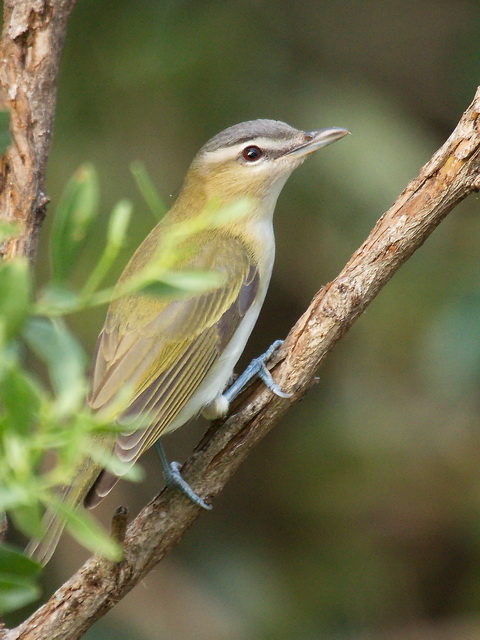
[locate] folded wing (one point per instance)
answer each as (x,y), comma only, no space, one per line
(160,355)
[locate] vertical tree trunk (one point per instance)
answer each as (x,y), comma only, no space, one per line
(32,41)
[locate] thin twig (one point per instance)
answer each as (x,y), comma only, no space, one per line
(451,174)
(118,529)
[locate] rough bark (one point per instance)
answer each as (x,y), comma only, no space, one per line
(32,40)
(451,174)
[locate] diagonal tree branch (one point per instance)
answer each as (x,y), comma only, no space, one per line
(451,174)
(32,41)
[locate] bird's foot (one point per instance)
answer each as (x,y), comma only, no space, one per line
(257,367)
(174,479)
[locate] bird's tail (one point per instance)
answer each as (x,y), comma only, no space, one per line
(53,522)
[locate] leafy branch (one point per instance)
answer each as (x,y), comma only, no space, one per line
(35,419)
(451,175)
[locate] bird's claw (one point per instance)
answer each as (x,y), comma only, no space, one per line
(257,367)
(175,480)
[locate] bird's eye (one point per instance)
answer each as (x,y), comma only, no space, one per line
(252,153)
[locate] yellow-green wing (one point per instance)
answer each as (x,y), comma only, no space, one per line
(161,349)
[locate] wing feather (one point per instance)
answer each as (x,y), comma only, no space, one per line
(163,352)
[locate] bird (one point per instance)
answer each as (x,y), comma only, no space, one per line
(176,354)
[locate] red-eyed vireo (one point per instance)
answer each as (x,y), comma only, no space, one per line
(176,355)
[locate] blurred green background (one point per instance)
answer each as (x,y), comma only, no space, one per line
(359,516)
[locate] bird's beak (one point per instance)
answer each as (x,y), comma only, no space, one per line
(315,140)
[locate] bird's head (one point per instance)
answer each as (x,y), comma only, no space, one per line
(255,158)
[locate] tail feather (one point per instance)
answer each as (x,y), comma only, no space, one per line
(53,523)
(102,486)
(42,550)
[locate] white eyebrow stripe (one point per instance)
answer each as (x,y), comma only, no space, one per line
(231,152)
(222,154)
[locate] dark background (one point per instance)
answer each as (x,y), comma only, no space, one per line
(359,516)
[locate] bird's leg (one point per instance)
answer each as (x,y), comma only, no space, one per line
(257,367)
(173,478)
(219,408)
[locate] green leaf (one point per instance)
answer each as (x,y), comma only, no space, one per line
(73,219)
(118,223)
(28,520)
(11,497)
(4,131)
(64,357)
(15,289)
(88,532)
(57,299)
(178,283)
(222,214)
(18,579)
(16,593)
(159,289)
(116,234)
(148,190)
(193,281)
(15,562)
(21,398)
